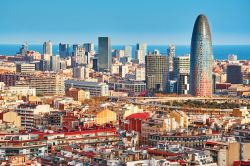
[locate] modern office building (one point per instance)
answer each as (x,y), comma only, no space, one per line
(139,56)
(201,60)
(25,68)
(64,50)
(95,64)
(55,63)
(234,74)
(141,52)
(156,72)
(47,48)
(183,83)
(94,88)
(89,47)
(43,65)
(128,51)
(170,61)
(105,54)
(171,86)
(79,57)
(75,46)
(181,65)
(143,47)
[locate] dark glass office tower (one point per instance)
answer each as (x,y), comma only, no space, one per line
(105,54)
(234,74)
(201,60)
(64,50)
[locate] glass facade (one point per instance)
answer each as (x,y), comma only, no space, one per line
(201,60)
(105,53)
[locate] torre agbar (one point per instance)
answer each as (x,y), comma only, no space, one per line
(201,60)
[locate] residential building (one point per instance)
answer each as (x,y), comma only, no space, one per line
(47,84)
(105,116)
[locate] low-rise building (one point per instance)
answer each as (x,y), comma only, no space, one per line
(94,88)
(105,116)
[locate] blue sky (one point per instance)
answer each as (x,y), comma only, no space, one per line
(125,21)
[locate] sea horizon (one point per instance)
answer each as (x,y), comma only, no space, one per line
(220,52)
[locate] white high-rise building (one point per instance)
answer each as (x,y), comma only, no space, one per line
(128,51)
(141,52)
(140,74)
(79,57)
(170,61)
(47,48)
(181,65)
(123,70)
(55,63)
(140,56)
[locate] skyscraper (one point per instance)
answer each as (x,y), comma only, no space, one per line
(88,47)
(47,48)
(105,53)
(234,74)
(55,63)
(139,56)
(170,61)
(128,51)
(64,50)
(183,83)
(201,60)
(79,57)
(181,65)
(156,71)
(141,52)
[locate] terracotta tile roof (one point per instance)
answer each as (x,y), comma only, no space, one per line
(142,115)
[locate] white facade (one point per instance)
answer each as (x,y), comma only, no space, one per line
(25,68)
(140,74)
(55,63)
(47,48)
(94,88)
(140,56)
(23,91)
(123,70)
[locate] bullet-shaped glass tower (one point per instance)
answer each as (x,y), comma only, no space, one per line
(201,60)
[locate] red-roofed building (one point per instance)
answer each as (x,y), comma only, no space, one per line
(134,121)
(241,163)
(70,121)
